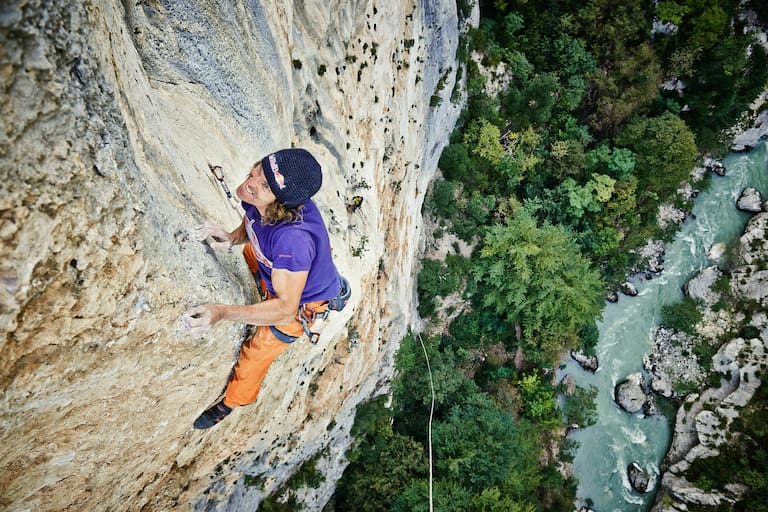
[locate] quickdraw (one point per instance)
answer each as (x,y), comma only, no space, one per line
(218,173)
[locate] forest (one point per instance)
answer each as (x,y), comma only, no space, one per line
(582,119)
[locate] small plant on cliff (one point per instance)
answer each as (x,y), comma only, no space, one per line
(308,475)
(361,247)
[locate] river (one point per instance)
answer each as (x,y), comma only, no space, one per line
(626,335)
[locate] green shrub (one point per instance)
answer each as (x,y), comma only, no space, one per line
(682,316)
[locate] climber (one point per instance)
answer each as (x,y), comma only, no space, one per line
(288,250)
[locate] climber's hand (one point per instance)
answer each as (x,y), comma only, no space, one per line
(200,319)
(221,239)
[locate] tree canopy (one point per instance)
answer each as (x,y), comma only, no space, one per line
(536,275)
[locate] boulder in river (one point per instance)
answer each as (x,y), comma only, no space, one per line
(717,251)
(589,363)
(630,393)
(570,385)
(628,288)
(750,201)
(638,478)
(612,297)
(716,166)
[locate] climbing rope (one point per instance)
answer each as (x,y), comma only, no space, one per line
(431,413)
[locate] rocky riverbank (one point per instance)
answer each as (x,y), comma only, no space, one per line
(733,317)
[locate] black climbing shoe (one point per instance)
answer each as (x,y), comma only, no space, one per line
(212,416)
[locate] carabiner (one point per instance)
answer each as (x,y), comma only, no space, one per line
(217,171)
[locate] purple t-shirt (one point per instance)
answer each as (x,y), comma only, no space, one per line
(297,247)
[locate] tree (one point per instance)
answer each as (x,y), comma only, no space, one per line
(412,395)
(473,445)
(616,162)
(669,11)
(391,463)
(442,200)
(531,102)
(491,500)
(483,139)
(456,163)
(626,87)
(537,275)
(665,148)
(538,399)
(580,407)
(435,279)
(449,496)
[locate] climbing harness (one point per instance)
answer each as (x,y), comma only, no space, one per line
(307,316)
(218,173)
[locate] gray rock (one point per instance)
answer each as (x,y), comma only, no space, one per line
(753,244)
(682,491)
(649,407)
(672,360)
(589,363)
(652,256)
(749,138)
(709,428)
(637,477)
(571,427)
(630,393)
(717,251)
(570,385)
(715,166)
(612,297)
(750,201)
(629,289)
(700,287)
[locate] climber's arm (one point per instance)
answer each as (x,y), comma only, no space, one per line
(281,309)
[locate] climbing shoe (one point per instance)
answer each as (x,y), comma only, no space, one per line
(212,416)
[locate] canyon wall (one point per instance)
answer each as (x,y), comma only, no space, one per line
(111,113)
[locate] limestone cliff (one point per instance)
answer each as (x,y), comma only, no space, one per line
(111,113)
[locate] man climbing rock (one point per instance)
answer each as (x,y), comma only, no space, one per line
(288,250)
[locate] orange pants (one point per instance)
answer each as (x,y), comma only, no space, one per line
(258,353)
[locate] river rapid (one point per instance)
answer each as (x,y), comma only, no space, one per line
(626,335)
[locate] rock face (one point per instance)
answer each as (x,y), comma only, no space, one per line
(751,135)
(630,393)
(112,112)
(672,360)
(700,287)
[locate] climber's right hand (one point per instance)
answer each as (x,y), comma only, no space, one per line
(221,238)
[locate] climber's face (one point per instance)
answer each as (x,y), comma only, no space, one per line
(255,189)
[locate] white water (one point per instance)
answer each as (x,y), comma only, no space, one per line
(626,334)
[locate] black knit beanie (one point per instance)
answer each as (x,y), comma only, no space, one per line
(293,175)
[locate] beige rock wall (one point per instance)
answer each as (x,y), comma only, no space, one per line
(111,112)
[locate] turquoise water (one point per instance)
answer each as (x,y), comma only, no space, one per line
(626,335)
